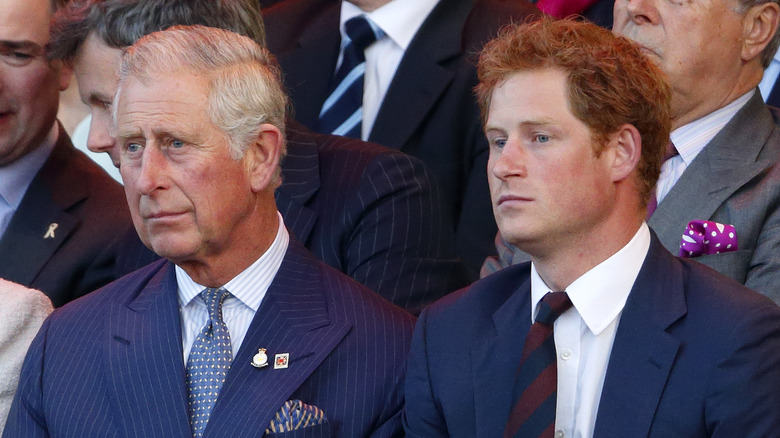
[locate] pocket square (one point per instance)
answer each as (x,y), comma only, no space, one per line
(295,414)
(707,237)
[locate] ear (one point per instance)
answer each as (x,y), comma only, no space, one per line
(262,158)
(626,147)
(65,72)
(760,23)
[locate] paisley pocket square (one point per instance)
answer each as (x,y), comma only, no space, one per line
(295,414)
(707,237)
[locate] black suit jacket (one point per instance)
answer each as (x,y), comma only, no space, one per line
(695,355)
(429,110)
(370,212)
(89,210)
(111,363)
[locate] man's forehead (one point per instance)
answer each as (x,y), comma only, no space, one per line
(25,21)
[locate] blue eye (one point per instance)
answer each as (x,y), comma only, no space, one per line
(177,144)
(499,143)
(133,147)
(541,138)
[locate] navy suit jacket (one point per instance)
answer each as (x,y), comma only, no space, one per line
(89,210)
(373,213)
(429,110)
(695,355)
(110,363)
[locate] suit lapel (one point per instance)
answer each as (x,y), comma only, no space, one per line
(28,242)
(494,361)
(423,74)
(309,67)
(300,182)
(293,319)
(727,163)
(146,359)
(643,352)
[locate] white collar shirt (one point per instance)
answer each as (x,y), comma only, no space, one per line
(690,140)
(248,289)
(16,177)
(584,334)
(399,20)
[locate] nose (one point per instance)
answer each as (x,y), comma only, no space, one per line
(100,139)
(509,161)
(149,173)
(635,11)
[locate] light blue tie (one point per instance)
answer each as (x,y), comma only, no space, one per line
(342,112)
(209,362)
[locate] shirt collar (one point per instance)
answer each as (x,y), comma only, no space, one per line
(16,177)
(600,294)
(399,19)
(251,284)
(690,139)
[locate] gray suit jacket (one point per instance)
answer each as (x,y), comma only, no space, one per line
(734,180)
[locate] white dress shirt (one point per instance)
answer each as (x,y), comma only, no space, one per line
(15,178)
(399,20)
(691,139)
(584,334)
(248,289)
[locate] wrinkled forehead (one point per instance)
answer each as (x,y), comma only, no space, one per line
(25,20)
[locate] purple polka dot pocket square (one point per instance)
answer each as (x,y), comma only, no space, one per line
(707,237)
(294,415)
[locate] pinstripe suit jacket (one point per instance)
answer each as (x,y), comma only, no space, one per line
(89,209)
(429,110)
(110,364)
(373,213)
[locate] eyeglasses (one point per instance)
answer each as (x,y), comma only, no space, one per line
(20,54)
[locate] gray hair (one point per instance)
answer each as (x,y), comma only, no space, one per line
(120,23)
(245,88)
(774,43)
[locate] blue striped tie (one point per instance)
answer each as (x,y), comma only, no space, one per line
(209,362)
(342,112)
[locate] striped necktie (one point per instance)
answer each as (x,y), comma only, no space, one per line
(536,383)
(209,362)
(342,112)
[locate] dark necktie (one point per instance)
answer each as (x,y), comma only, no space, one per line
(342,112)
(536,383)
(652,204)
(209,362)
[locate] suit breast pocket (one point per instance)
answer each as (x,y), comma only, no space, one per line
(731,264)
(316,431)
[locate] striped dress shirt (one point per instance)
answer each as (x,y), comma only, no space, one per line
(691,139)
(248,289)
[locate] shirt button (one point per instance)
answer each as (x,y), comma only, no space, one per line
(559,433)
(566,355)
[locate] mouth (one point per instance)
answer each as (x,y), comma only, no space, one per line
(163,215)
(512,200)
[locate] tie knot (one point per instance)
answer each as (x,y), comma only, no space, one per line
(214,299)
(552,306)
(360,32)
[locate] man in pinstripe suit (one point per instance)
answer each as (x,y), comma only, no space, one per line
(200,124)
(371,212)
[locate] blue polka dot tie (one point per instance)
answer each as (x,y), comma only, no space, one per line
(209,362)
